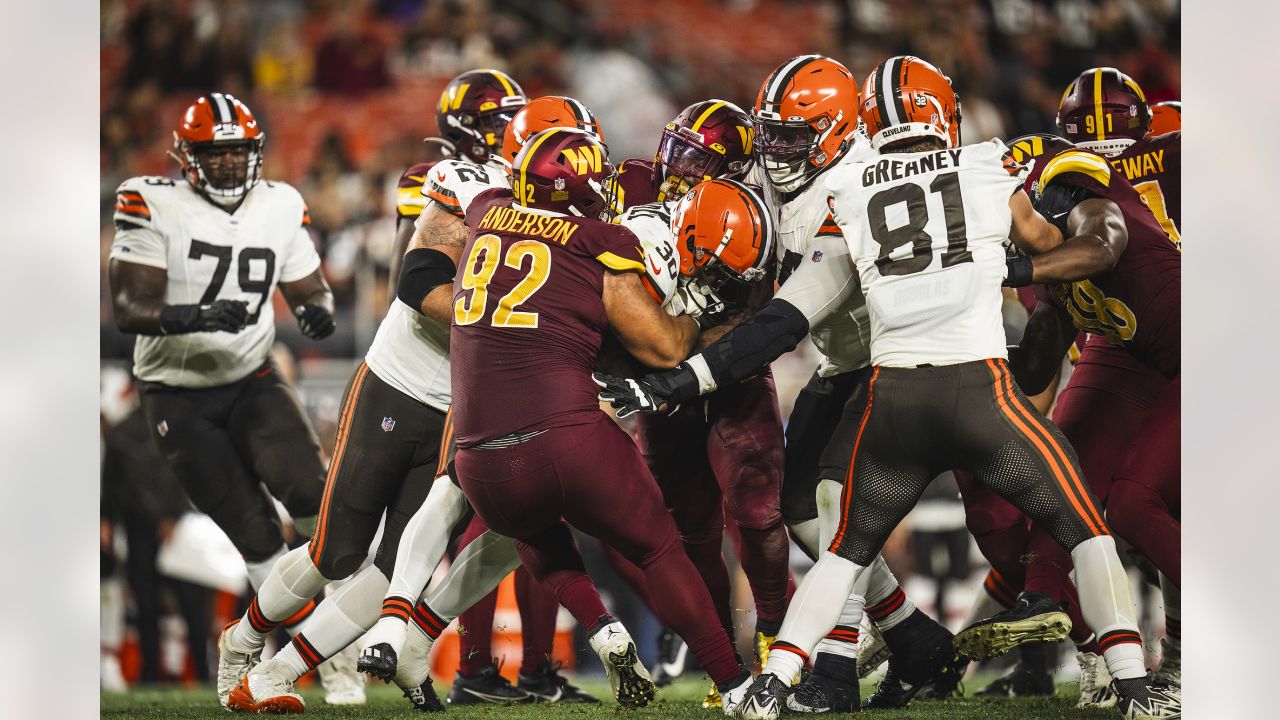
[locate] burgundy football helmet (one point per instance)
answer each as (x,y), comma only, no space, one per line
(473,112)
(708,139)
(1029,147)
(562,170)
(1103,110)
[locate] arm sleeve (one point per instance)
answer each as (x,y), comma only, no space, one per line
(743,351)
(823,280)
(301,258)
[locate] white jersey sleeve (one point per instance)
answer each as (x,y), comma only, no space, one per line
(137,240)
(301,258)
(453,184)
(652,226)
(926,232)
(823,281)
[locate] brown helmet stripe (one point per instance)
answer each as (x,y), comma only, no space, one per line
(776,85)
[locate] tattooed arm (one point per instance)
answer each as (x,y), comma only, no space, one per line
(438,232)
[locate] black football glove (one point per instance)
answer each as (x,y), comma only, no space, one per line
(218,316)
(314,321)
(654,393)
(1056,202)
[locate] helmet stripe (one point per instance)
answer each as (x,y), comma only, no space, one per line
(1097,103)
(778,82)
(528,156)
(697,124)
(220,102)
(889,84)
(506,84)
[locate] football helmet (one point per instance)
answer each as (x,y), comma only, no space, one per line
(473,112)
(906,98)
(805,117)
(1029,147)
(708,139)
(1103,110)
(546,112)
(211,126)
(562,170)
(1166,117)
(723,229)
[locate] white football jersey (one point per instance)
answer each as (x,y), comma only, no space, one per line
(410,352)
(209,255)
(841,333)
(652,226)
(927,233)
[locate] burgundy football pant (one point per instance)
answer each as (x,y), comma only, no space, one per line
(592,476)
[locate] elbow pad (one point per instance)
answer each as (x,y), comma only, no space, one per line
(763,338)
(424,270)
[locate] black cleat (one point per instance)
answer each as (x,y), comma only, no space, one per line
(1139,700)
(891,693)
(424,698)
(378,661)
(546,684)
(1030,677)
(1036,618)
(673,655)
(764,699)
(486,686)
(922,663)
(831,687)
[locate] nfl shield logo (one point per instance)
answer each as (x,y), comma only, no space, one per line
(559,183)
(388,424)
(817,255)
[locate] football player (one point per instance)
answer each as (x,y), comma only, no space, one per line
(1166,117)
(928,208)
(193,268)
(541,282)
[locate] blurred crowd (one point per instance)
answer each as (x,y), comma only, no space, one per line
(346,90)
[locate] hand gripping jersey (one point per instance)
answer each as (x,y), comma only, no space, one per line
(927,232)
(814,271)
(210,254)
(1138,304)
(410,352)
(1154,167)
(529,318)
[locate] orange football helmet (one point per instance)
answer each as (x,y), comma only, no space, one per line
(805,116)
(906,98)
(1103,110)
(1166,117)
(723,226)
(219,122)
(547,112)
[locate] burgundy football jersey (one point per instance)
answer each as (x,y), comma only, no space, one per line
(1154,167)
(1138,304)
(529,317)
(632,184)
(410,200)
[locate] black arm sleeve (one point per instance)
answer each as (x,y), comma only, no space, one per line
(424,270)
(765,337)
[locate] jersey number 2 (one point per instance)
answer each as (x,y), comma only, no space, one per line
(948,186)
(481,265)
(244,271)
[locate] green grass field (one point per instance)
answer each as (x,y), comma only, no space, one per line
(681,700)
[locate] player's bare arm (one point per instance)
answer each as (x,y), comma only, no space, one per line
(1030,232)
(1036,359)
(404,234)
(1098,237)
(426,271)
(646,331)
(137,299)
(312,303)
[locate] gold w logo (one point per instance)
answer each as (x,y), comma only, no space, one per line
(748,134)
(1028,148)
(584,160)
(454,101)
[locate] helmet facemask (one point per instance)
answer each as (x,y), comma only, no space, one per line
(683,161)
(790,150)
(222,170)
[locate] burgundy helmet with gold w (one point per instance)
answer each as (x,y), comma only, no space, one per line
(1103,110)
(708,139)
(474,110)
(562,170)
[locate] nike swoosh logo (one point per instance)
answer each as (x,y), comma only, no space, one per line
(440,176)
(656,270)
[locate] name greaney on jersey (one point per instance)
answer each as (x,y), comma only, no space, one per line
(889,169)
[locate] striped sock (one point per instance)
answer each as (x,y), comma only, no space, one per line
(428,621)
(842,641)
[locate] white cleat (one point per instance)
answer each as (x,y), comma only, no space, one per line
(761,700)
(1095,682)
(342,684)
(233,664)
(872,651)
(267,690)
(630,680)
(388,631)
(730,700)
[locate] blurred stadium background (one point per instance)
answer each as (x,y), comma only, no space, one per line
(346,92)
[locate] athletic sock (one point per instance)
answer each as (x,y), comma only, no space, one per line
(475,636)
(538,610)
(259,569)
(287,589)
(428,621)
(1172,611)
(708,560)
(343,617)
(887,604)
(476,570)
(1107,606)
(821,602)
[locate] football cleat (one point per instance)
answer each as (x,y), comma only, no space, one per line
(1095,682)
(486,686)
(423,697)
(267,690)
(1139,700)
(732,698)
(546,684)
(1169,672)
(1035,618)
(630,681)
(383,645)
(342,684)
(672,656)
(233,664)
(831,687)
(872,651)
(712,701)
(762,700)
(1030,676)
(378,661)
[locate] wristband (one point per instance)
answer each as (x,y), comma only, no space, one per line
(1017,271)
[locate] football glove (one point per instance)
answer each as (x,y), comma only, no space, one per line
(218,316)
(314,321)
(650,394)
(1056,202)
(698,302)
